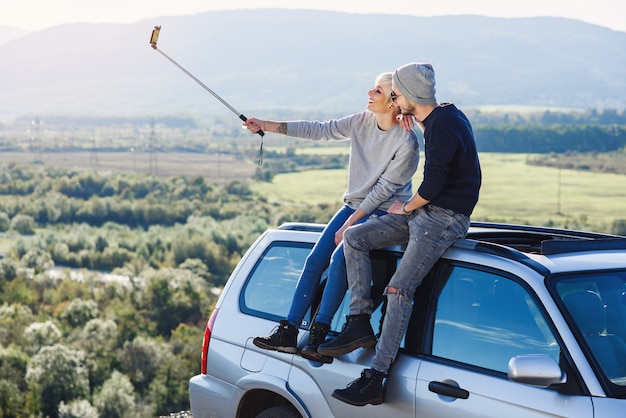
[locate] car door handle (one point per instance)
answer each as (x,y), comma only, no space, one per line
(446,389)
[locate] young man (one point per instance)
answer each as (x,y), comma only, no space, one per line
(431,221)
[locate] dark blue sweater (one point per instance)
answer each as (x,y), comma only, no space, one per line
(452,174)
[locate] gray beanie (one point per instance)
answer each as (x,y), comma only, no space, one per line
(417,82)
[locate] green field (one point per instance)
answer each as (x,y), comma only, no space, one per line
(512,191)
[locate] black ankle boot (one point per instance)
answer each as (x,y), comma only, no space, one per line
(316,337)
(284,339)
(357,333)
(366,389)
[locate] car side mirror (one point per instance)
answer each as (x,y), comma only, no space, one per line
(536,370)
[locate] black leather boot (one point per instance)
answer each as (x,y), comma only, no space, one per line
(284,339)
(368,389)
(317,336)
(357,333)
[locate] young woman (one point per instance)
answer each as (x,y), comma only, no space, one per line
(383,159)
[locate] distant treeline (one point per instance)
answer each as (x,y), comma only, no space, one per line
(547,117)
(496,131)
(64,122)
(614,162)
(550,138)
(477,117)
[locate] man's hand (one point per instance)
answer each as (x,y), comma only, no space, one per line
(396,207)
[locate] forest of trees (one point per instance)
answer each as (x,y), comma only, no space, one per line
(78,342)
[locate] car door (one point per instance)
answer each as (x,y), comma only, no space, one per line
(479,321)
(310,379)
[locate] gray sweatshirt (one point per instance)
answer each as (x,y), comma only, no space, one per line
(381,165)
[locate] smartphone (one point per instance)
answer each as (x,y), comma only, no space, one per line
(155,36)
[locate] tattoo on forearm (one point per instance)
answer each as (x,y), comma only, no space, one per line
(282,128)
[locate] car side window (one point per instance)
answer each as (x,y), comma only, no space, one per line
(269,289)
(484,319)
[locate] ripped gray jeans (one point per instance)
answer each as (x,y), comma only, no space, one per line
(428,232)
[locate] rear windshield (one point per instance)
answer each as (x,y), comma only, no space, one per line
(269,290)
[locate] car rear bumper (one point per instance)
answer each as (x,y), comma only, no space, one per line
(210,397)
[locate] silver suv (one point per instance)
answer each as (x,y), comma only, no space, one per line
(514,321)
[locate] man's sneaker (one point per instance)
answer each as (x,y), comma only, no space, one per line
(368,389)
(284,339)
(317,335)
(357,333)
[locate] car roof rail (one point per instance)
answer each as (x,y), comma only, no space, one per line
(484,228)
(571,246)
(302,226)
(503,251)
(533,239)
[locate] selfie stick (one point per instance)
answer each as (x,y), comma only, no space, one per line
(153,43)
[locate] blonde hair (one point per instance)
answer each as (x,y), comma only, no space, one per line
(384,80)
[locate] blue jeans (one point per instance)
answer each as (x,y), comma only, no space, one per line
(323,254)
(428,232)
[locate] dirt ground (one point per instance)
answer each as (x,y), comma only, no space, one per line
(214,167)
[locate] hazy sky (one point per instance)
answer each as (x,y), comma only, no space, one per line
(40,14)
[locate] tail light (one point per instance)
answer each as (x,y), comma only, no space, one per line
(206,341)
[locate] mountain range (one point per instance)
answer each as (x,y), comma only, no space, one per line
(272,62)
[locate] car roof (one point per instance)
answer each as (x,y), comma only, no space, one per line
(544,249)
